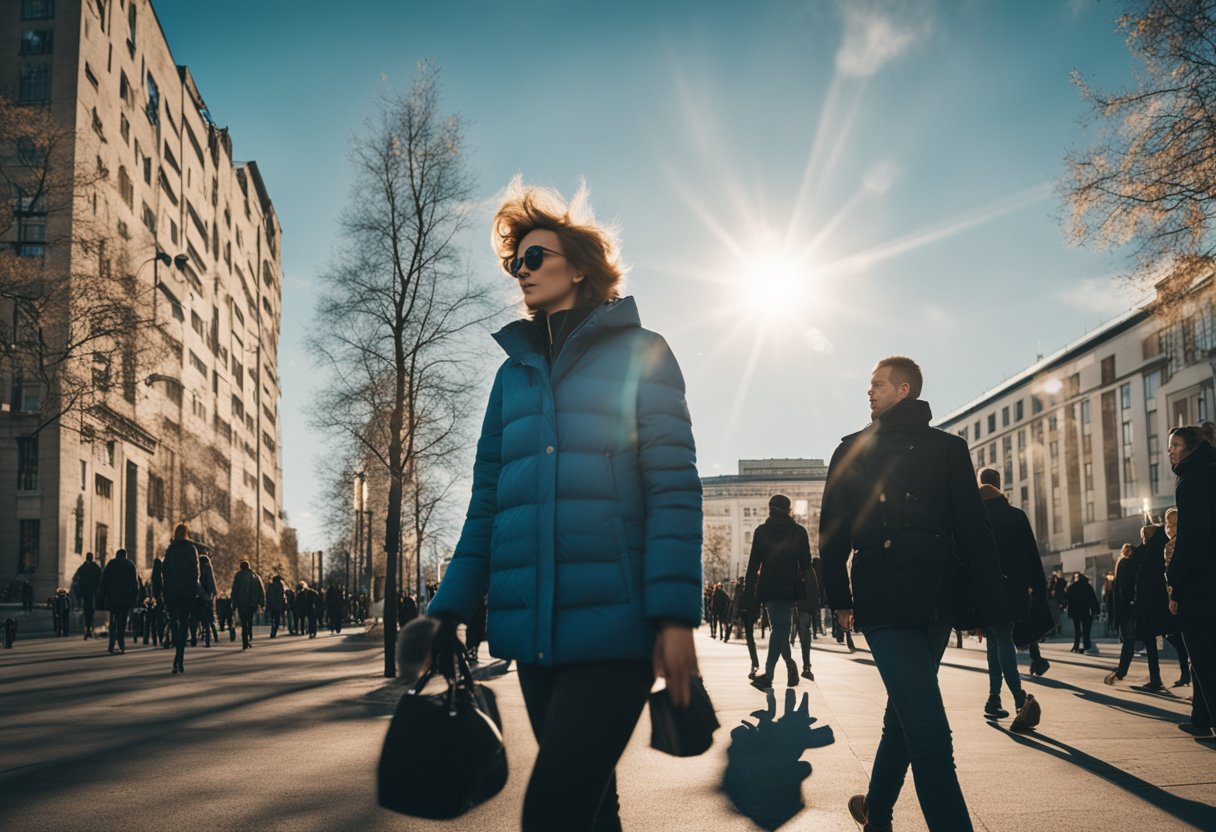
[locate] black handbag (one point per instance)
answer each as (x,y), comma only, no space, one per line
(682,732)
(1038,621)
(443,753)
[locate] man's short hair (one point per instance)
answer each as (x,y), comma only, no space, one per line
(1190,434)
(244,564)
(990,476)
(904,371)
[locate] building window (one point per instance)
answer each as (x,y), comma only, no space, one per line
(36,42)
(126,188)
(1152,382)
(153,108)
(35,84)
(1125,396)
(101,540)
(28,546)
(149,218)
(977,430)
(78,537)
(103,487)
(1019,412)
(37,9)
(1108,370)
(1036,405)
(156,497)
(1005,416)
(27,463)
(979,459)
(991,423)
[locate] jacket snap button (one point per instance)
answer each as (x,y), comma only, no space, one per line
(541,654)
(549,449)
(886,544)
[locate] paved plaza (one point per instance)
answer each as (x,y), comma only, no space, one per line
(286,736)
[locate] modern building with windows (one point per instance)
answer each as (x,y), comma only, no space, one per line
(1080,437)
(190,429)
(734,505)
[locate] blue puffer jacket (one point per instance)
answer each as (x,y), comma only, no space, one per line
(585,520)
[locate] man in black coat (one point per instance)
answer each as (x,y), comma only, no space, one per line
(902,497)
(743,611)
(1082,607)
(180,577)
(1020,564)
(118,592)
(720,612)
(1191,571)
(776,576)
(808,610)
(87,579)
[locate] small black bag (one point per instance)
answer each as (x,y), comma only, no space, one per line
(682,732)
(443,753)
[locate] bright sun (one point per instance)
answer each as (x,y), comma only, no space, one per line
(775,287)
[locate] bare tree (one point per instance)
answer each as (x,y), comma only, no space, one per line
(71,309)
(715,554)
(398,298)
(1149,180)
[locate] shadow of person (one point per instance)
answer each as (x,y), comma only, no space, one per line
(765,769)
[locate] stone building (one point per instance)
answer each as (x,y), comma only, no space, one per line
(1080,436)
(187,422)
(734,505)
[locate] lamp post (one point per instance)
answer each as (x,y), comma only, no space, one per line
(178,260)
(360,532)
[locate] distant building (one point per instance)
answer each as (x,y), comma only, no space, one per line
(735,504)
(1080,437)
(195,435)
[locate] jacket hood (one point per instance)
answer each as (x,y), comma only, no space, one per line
(520,337)
(910,413)
(991,492)
(779,525)
(1200,459)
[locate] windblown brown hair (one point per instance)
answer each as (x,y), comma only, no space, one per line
(589,246)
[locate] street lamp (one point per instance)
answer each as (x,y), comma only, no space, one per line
(179,260)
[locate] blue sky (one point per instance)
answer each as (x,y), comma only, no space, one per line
(927,224)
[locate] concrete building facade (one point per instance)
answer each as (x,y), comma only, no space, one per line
(193,432)
(734,505)
(1080,437)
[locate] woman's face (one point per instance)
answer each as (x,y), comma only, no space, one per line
(553,285)
(1171,524)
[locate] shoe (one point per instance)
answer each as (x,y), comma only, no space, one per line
(849,640)
(762,682)
(1028,715)
(1076,650)
(807,674)
(993,708)
(1151,688)
(1181,683)
(1209,739)
(1092,650)
(1194,730)
(174,670)
(1112,677)
(755,671)
(858,808)
(791,675)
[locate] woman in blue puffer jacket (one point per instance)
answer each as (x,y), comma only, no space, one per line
(584,527)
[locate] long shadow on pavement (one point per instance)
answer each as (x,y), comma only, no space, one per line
(764,772)
(1189,811)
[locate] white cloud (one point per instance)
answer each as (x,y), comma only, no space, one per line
(818,341)
(1107,295)
(881,176)
(876,33)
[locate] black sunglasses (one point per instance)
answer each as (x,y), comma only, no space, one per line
(533,257)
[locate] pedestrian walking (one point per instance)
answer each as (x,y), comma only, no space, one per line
(1023,572)
(586,475)
(276,603)
(1082,607)
(409,609)
(179,573)
(901,497)
(85,583)
(306,614)
(1191,570)
(806,614)
(776,573)
(224,612)
(743,611)
(118,592)
(721,613)
(27,596)
(1058,590)
(247,595)
(1124,609)
(206,605)
(1174,632)
(335,609)
(61,611)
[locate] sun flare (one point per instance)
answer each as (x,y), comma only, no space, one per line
(776,287)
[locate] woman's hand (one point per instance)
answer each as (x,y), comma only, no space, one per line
(675,659)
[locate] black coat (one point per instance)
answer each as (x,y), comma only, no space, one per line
(276,596)
(180,570)
(1153,616)
(810,603)
(780,561)
(902,496)
(720,603)
(119,587)
(1125,587)
(1018,551)
(1192,570)
(1082,602)
(88,577)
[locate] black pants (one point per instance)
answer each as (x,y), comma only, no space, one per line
(582,716)
(1184,658)
(118,629)
(1127,631)
(312,625)
(1081,628)
(179,626)
(1200,638)
(246,614)
(90,606)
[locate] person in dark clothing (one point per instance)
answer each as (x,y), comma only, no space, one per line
(1022,570)
(776,574)
(1191,569)
(475,632)
(1082,607)
(720,613)
(180,575)
(901,497)
(86,580)
(224,612)
(276,603)
(306,610)
(1058,590)
(1173,627)
(118,591)
(743,613)
(247,595)
(808,611)
(206,600)
(27,596)
(1124,613)
(335,609)
(289,606)
(408,610)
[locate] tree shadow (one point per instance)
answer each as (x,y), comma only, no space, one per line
(764,770)
(1193,812)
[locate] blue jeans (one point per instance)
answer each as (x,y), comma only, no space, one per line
(1003,661)
(781,616)
(915,730)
